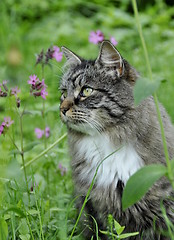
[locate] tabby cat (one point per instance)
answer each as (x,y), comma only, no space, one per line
(97,105)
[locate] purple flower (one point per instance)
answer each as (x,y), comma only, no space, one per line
(1,129)
(15,91)
(5,125)
(44,93)
(18,102)
(2,93)
(38,88)
(33,79)
(33,186)
(39,57)
(113,41)
(57,54)
(39,133)
(96,37)
(47,132)
(62,169)
(8,122)
(4,82)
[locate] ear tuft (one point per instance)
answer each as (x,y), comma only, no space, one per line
(72,58)
(109,56)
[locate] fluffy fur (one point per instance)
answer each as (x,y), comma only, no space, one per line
(104,121)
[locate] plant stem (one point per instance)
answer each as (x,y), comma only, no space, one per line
(43,111)
(28,223)
(170,175)
(41,236)
(12,140)
(89,191)
(12,226)
(45,151)
(134,3)
(22,154)
(164,140)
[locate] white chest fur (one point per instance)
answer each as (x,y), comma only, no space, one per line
(118,165)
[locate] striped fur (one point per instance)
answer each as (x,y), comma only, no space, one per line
(108,120)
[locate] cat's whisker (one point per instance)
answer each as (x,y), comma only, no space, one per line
(95,120)
(82,117)
(56,66)
(97,125)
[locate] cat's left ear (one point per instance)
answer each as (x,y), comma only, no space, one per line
(109,56)
(72,58)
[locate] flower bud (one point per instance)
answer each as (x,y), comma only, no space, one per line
(37,94)
(18,102)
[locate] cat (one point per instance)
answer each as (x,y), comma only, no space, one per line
(97,105)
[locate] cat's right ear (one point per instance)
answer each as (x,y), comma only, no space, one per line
(72,58)
(110,57)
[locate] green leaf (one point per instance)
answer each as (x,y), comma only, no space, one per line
(16,210)
(172,164)
(25,237)
(23,228)
(126,235)
(31,145)
(110,220)
(27,147)
(32,212)
(145,88)
(140,182)
(119,229)
(105,232)
(3,229)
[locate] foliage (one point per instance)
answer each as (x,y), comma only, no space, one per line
(140,183)
(116,230)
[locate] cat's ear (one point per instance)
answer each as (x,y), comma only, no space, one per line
(72,58)
(109,56)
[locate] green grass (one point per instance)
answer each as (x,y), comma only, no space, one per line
(48,212)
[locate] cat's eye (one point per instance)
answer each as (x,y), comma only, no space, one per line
(87,91)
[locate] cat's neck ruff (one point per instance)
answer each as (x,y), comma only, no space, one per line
(118,163)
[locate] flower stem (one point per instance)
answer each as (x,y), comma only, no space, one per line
(170,175)
(43,110)
(44,152)
(22,154)
(12,140)
(134,3)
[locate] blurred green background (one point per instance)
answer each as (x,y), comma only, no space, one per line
(27,27)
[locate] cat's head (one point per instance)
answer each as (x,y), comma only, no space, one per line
(97,94)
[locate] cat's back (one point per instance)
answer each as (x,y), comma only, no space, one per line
(149,136)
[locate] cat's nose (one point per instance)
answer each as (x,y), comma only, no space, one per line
(65,106)
(64,110)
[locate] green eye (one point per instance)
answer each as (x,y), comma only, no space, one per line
(87,92)
(64,93)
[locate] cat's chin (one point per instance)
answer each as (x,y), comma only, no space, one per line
(83,128)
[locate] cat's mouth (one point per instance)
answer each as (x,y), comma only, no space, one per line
(81,123)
